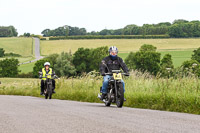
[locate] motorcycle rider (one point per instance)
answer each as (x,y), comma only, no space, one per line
(109,63)
(43,72)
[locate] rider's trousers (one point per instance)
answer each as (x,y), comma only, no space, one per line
(43,82)
(105,84)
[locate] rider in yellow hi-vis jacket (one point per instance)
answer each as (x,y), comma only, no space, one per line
(44,71)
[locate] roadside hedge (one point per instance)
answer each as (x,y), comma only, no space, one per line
(108,37)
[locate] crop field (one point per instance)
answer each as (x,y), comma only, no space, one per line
(124,45)
(180,49)
(142,91)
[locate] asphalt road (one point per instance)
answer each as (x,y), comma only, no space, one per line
(37,52)
(19,114)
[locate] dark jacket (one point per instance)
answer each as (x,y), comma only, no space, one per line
(112,65)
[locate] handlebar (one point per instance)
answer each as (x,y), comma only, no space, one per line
(54,76)
(126,74)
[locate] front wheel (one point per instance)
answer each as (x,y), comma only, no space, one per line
(50,92)
(120,96)
(108,102)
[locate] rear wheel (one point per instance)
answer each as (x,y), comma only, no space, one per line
(120,96)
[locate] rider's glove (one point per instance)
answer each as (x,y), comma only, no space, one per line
(40,76)
(127,74)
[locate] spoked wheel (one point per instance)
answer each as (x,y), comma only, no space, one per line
(120,96)
(46,96)
(50,92)
(108,102)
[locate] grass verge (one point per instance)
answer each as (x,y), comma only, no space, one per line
(178,95)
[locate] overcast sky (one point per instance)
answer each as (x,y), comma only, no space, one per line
(36,15)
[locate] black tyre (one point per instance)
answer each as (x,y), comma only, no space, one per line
(108,102)
(46,96)
(120,96)
(50,92)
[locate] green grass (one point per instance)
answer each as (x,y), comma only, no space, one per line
(180,49)
(142,91)
(26,68)
(178,56)
(124,45)
(22,46)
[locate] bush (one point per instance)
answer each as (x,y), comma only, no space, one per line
(87,60)
(25,75)
(166,65)
(191,67)
(109,37)
(39,65)
(196,55)
(147,59)
(12,55)
(9,67)
(2,51)
(64,66)
(81,60)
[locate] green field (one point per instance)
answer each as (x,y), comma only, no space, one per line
(26,68)
(142,91)
(124,45)
(178,57)
(22,46)
(180,49)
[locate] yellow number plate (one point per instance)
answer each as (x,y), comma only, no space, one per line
(117,76)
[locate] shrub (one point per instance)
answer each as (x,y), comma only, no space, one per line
(166,65)
(39,65)
(196,55)
(147,59)
(2,51)
(191,67)
(109,37)
(9,67)
(64,66)
(12,55)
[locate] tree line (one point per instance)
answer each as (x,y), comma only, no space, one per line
(85,60)
(178,28)
(8,31)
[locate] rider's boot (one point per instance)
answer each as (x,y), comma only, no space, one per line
(41,93)
(103,96)
(53,91)
(124,99)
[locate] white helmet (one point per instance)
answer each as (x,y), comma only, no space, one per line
(113,48)
(46,64)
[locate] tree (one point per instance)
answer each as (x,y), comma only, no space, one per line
(9,67)
(64,66)
(52,58)
(96,56)
(166,65)
(87,60)
(81,60)
(38,66)
(147,47)
(196,55)
(2,52)
(130,61)
(147,59)
(191,67)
